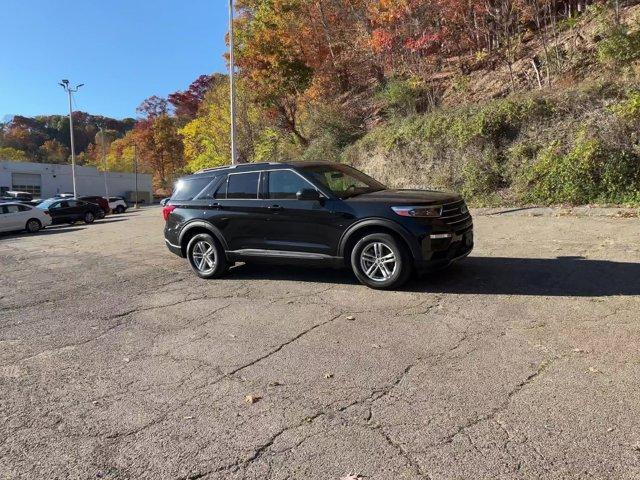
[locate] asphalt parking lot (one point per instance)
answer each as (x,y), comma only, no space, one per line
(520,362)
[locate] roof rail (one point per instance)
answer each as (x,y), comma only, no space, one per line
(212,169)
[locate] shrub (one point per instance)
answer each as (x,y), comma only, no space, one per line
(619,46)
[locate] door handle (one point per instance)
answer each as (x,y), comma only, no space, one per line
(275,207)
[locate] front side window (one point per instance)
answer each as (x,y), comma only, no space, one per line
(284,184)
(243,186)
(342,180)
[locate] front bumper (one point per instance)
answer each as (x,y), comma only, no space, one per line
(439,252)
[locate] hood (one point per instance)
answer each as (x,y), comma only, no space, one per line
(405,197)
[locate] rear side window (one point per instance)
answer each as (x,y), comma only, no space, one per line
(243,185)
(210,191)
(187,189)
(23,208)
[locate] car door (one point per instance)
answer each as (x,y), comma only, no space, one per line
(310,226)
(9,218)
(76,210)
(60,212)
(238,213)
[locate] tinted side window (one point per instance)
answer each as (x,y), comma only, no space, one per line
(284,184)
(243,185)
(210,191)
(188,189)
(73,203)
(23,208)
(12,208)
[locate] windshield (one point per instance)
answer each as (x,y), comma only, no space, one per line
(342,180)
(46,204)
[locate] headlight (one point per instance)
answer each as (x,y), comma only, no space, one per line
(424,212)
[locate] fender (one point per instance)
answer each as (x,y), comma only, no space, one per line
(207,226)
(380,222)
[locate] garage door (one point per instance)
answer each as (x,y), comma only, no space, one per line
(26,182)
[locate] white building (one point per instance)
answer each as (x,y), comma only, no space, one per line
(45,180)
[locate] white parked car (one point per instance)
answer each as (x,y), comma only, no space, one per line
(17,216)
(118,204)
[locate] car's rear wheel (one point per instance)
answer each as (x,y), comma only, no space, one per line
(380,261)
(33,225)
(206,256)
(119,209)
(89,217)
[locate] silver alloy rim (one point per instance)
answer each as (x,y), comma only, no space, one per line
(88,217)
(378,261)
(204,256)
(33,226)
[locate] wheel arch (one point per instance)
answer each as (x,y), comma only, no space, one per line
(195,227)
(375,225)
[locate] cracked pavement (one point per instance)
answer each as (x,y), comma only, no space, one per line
(520,362)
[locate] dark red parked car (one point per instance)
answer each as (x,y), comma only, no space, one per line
(102,202)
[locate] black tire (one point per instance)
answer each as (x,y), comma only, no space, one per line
(89,217)
(119,209)
(201,247)
(387,259)
(33,225)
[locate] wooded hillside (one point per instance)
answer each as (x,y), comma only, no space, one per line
(510,101)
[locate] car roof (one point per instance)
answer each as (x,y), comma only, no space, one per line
(250,167)
(15,203)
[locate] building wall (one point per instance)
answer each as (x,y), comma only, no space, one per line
(56,179)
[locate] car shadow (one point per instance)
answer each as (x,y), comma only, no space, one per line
(54,230)
(562,276)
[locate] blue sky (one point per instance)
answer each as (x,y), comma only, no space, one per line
(123,50)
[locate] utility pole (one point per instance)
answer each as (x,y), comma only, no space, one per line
(232,86)
(104,161)
(135,169)
(65,85)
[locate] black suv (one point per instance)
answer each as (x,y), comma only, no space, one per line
(317,213)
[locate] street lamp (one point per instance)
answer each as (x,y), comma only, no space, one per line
(65,85)
(232,86)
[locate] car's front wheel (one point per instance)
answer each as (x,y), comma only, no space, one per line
(34,225)
(119,209)
(89,217)
(206,256)
(380,261)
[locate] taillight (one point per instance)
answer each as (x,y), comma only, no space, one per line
(46,212)
(166,210)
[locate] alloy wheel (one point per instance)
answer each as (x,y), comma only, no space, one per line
(378,261)
(33,226)
(204,256)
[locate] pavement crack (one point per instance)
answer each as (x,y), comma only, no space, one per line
(282,345)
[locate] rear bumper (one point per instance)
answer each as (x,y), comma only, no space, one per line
(175,249)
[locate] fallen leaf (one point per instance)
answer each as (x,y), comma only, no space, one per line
(375,345)
(252,399)
(188,417)
(328,375)
(578,350)
(351,317)
(351,476)
(594,370)
(126,360)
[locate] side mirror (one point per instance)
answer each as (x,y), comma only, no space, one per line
(308,194)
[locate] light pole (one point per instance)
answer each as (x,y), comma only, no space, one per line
(104,161)
(65,85)
(232,86)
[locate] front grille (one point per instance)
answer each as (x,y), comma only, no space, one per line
(457,216)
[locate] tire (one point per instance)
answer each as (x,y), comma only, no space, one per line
(202,247)
(119,209)
(381,262)
(33,225)
(89,217)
